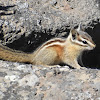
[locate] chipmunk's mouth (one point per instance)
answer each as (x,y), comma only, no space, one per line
(91,48)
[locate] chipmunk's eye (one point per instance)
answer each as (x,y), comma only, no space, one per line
(84,42)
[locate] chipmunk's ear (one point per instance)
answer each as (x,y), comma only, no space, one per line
(74,34)
(80,28)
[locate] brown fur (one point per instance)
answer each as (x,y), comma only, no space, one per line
(59,49)
(52,41)
(13,55)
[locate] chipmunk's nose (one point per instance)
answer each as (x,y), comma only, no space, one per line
(94,45)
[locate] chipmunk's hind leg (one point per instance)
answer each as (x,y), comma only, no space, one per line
(46,57)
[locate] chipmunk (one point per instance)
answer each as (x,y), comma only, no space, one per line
(54,51)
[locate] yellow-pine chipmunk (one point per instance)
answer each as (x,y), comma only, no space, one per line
(54,51)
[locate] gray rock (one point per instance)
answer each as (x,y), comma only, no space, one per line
(2,74)
(28,17)
(43,88)
(75,84)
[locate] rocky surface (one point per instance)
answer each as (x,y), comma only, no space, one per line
(26,24)
(27,82)
(20,18)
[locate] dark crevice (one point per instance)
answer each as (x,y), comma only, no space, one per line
(30,43)
(92,58)
(5,8)
(33,41)
(3,13)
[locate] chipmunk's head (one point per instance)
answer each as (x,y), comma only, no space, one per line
(81,39)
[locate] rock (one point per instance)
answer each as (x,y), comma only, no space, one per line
(56,83)
(36,21)
(21,18)
(43,88)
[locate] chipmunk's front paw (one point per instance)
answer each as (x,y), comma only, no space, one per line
(78,67)
(83,68)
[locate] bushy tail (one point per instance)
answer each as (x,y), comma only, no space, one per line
(13,55)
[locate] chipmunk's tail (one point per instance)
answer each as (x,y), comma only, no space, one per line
(13,55)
